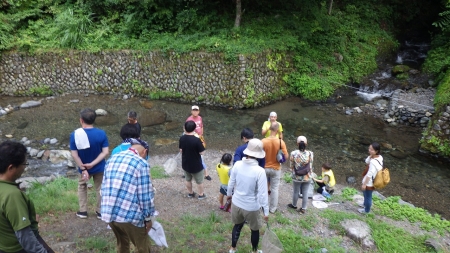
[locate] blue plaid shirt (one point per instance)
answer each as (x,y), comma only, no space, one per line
(127,191)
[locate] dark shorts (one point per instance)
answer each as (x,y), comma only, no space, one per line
(223,190)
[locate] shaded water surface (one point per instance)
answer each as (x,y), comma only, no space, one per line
(335,137)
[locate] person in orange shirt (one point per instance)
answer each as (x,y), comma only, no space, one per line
(272,167)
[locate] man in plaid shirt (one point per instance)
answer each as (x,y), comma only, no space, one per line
(127,197)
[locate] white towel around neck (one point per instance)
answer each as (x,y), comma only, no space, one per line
(81,139)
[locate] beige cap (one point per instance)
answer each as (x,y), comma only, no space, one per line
(302,138)
(255,149)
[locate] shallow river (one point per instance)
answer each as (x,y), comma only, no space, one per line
(334,137)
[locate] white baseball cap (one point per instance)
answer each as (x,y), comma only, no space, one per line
(302,138)
(273,114)
(195,107)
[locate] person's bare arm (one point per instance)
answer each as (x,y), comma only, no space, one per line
(99,158)
(281,135)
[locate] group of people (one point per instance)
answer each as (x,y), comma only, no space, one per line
(125,194)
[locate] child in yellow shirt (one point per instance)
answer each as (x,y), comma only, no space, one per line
(223,170)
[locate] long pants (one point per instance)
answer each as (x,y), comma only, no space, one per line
(126,232)
(367,200)
(274,176)
(296,188)
(82,191)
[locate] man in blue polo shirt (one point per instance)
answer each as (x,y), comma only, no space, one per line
(89,147)
(246,136)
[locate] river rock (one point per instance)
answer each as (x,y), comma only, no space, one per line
(152,118)
(146,104)
(398,154)
(101,112)
(386,145)
(26,143)
(22,125)
(169,126)
(74,101)
(31,103)
(47,140)
(125,97)
(351,180)
(61,156)
(24,139)
(163,142)
(27,182)
(40,154)
(33,152)
(359,232)
(53,141)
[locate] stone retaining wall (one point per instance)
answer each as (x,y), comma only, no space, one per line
(411,108)
(205,78)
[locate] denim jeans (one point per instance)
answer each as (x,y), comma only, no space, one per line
(367,200)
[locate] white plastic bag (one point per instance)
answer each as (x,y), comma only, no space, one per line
(157,234)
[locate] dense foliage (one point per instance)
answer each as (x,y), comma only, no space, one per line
(330,44)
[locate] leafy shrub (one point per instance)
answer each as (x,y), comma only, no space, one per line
(348,193)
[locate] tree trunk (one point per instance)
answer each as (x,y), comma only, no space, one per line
(237,22)
(331,7)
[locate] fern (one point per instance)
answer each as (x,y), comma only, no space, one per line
(444,20)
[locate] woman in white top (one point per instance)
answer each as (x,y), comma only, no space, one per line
(375,163)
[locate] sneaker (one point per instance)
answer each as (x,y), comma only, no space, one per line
(258,251)
(82,215)
(361,205)
(202,196)
(232,251)
(99,215)
(331,192)
(301,210)
(221,207)
(292,206)
(191,195)
(208,178)
(300,195)
(362,210)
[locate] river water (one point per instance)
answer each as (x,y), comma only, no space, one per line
(339,139)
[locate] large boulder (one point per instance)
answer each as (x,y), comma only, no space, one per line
(359,232)
(61,156)
(152,118)
(29,104)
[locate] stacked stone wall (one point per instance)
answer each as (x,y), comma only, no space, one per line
(205,78)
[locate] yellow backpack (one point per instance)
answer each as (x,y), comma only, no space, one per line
(382,178)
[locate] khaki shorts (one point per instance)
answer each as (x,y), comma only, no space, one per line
(239,215)
(198,177)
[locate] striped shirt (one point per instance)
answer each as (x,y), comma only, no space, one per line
(127,191)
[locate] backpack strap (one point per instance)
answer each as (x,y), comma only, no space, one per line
(381,167)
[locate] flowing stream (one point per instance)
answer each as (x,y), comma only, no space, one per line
(335,137)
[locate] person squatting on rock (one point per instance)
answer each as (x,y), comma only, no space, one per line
(128,198)
(223,171)
(191,149)
(248,185)
(19,230)
(375,163)
(272,167)
(127,132)
(199,133)
(89,147)
(301,158)
(246,136)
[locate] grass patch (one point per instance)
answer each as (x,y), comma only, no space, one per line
(392,239)
(335,218)
(294,241)
(391,208)
(287,177)
(348,193)
(97,244)
(158,172)
(63,189)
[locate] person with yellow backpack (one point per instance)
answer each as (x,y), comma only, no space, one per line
(374,163)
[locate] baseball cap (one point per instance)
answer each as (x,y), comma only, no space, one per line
(255,149)
(195,107)
(273,114)
(302,138)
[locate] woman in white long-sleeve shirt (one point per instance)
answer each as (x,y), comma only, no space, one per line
(375,163)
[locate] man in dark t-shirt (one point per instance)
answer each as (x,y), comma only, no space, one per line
(191,149)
